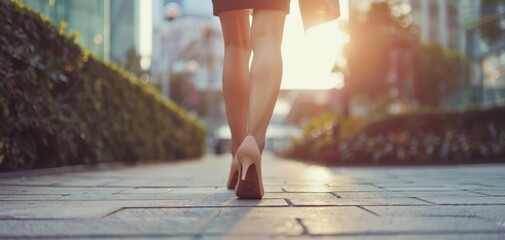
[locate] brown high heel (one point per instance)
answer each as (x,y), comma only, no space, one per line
(233,177)
(250,184)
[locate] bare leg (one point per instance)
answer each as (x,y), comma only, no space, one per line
(236,31)
(266,70)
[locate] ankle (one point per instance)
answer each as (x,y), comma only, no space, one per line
(260,142)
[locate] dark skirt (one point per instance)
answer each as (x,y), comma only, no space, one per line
(230,5)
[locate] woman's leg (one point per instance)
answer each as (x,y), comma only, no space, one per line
(266,70)
(236,32)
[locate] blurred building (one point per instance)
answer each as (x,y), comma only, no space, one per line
(189,46)
(455,24)
(438,21)
(108,28)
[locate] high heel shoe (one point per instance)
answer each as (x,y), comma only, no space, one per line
(233,177)
(250,184)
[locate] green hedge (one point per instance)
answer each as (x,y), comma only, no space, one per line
(61,106)
(472,136)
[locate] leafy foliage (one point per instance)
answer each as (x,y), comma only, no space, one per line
(322,133)
(375,35)
(59,105)
(132,62)
(384,54)
(437,74)
(435,137)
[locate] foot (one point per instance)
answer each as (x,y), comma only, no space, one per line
(233,176)
(250,184)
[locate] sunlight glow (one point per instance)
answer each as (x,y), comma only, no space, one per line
(146,32)
(309,57)
(317,175)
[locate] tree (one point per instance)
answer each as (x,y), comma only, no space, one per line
(437,74)
(375,36)
(132,62)
(379,53)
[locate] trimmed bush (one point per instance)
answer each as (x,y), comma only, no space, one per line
(60,105)
(473,136)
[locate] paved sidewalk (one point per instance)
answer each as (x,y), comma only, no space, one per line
(187,200)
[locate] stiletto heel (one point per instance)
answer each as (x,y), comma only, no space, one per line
(233,177)
(250,184)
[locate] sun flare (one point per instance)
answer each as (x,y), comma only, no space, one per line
(309,57)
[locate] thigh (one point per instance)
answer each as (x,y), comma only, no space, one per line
(235,27)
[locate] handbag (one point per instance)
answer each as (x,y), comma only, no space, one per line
(315,12)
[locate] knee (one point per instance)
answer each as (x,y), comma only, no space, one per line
(265,40)
(239,45)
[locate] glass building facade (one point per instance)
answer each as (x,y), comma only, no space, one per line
(86,17)
(108,28)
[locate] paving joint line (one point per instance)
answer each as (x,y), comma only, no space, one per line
(368,210)
(483,194)
(305,230)
(335,194)
(289,202)
(423,200)
(113,212)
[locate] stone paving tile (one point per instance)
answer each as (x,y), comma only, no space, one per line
(148,191)
(395,194)
(465,200)
(380,225)
(253,226)
(325,197)
(491,212)
(185,200)
(54,181)
(178,190)
(417,188)
(19,190)
(444,236)
(296,212)
(314,201)
(27,197)
(215,199)
(55,210)
(312,189)
(92,227)
(493,192)
(190,202)
(98,209)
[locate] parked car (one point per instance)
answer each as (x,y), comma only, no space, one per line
(278,137)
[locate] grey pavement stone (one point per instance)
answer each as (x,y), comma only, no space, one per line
(254,227)
(189,200)
(493,192)
(413,193)
(90,228)
(55,210)
(465,200)
(417,188)
(19,190)
(295,212)
(311,201)
(447,236)
(491,212)
(27,197)
(381,225)
(316,189)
